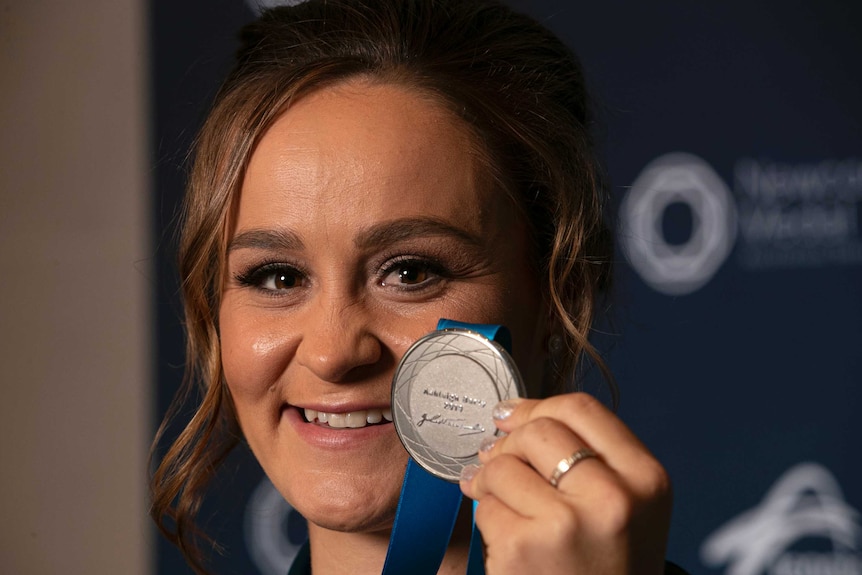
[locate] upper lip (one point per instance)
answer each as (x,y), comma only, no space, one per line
(346,406)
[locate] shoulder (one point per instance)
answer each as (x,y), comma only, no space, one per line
(302,564)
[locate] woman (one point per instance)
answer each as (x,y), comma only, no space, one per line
(368,168)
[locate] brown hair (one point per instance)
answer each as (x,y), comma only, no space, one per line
(512,81)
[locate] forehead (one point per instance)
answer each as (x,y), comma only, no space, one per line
(367,150)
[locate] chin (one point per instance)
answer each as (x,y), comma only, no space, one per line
(353,523)
(355,504)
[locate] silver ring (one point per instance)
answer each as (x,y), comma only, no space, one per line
(565,465)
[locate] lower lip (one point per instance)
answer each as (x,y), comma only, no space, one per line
(334,437)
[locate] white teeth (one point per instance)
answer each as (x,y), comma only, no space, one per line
(337,420)
(355,419)
(352,419)
(374,416)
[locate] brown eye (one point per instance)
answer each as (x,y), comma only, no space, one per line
(283,280)
(412,275)
(273,278)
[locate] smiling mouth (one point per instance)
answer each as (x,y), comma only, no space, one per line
(350,420)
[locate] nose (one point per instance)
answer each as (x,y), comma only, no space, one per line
(338,343)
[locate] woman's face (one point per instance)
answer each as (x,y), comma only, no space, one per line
(363,218)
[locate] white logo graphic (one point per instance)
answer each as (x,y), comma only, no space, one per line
(268,522)
(678,178)
(260,5)
(806,502)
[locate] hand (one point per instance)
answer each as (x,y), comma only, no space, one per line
(609,514)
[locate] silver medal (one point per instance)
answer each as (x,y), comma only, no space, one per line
(443,393)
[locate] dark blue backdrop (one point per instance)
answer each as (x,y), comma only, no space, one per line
(733,138)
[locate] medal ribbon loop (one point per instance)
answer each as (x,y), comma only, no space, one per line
(428,506)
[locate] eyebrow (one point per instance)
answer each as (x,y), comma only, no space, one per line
(265,240)
(393,231)
(381,234)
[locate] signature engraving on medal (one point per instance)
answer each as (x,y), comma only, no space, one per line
(473,429)
(455,423)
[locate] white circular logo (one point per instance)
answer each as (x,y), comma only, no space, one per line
(677,269)
(274,531)
(260,5)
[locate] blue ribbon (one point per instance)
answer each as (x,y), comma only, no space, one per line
(429,506)
(423,524)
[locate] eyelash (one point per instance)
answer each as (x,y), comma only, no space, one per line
(437,270)
(258,275)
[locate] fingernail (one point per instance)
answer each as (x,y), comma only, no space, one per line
(488,443)
(469,472)
(505,408)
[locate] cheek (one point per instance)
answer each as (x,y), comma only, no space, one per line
(254,355)
(520,310)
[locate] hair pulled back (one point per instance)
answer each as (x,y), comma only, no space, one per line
(519,89)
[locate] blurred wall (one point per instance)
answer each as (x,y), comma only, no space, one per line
(74,263)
